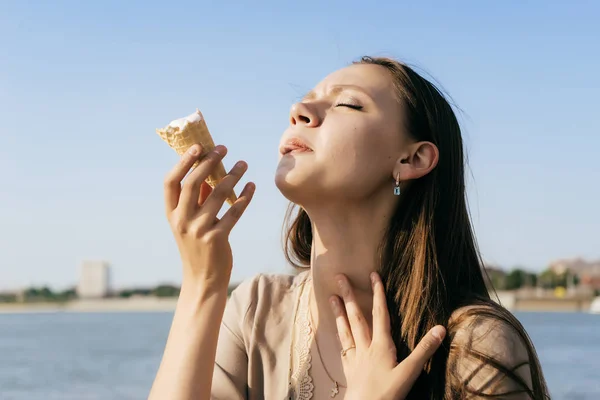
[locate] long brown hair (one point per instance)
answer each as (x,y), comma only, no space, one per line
(429,260)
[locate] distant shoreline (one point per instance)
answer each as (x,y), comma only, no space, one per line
(138,304)
(167,304)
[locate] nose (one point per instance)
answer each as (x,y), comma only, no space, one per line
(304,114)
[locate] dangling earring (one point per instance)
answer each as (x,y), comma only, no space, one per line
(397,187)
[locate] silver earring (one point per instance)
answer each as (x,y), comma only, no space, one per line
(397,187)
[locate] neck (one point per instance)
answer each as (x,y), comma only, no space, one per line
(345,241)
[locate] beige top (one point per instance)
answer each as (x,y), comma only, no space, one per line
(259,355)
(265,340)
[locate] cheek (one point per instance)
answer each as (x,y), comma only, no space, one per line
(361,153)
(349,139)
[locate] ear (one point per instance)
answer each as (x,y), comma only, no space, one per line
(417,161)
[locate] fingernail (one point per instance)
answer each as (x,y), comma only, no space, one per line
(373,278)
(438,333)
(334,304)
(220,149)
(344,287)
(240,164)
(193,151)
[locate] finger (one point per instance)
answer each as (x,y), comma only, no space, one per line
(231,217)
(205,190)
(172,182)
(343,327)
(215,201)
(381,315)
(190,193)
(412,366)
(358,324)
(428,345)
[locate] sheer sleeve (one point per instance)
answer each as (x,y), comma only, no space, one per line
(230,378)
(489,358)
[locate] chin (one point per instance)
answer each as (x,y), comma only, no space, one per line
(293,183)
(288,186)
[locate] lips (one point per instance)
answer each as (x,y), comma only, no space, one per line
(295,145)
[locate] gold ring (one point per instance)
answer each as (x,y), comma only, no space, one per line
(345,350)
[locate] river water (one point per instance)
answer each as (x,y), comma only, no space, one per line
(89,356)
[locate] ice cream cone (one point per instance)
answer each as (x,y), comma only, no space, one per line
(182,133)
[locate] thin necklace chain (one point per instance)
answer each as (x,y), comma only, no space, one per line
(336,383)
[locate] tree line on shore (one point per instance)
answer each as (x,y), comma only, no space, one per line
(500,280)
(519,277)
(46,294)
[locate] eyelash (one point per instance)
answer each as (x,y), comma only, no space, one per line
(353,106)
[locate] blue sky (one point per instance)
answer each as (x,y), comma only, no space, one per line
(84,85)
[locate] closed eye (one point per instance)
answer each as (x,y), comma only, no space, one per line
(353,106)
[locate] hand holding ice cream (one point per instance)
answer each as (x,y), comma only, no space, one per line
(193,200)
(182,133)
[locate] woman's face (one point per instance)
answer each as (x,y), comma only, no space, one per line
(351,121)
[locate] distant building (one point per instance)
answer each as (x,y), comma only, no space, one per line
(94,280)
(587,271)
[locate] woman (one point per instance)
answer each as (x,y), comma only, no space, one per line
(373,157)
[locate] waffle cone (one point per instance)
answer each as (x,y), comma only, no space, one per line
(195,132)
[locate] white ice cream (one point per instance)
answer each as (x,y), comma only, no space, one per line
(190,119)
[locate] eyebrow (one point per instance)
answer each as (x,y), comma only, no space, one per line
(335,89)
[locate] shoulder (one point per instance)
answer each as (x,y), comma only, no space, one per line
(265,296)
(490,329)
(266,288)
(490,352)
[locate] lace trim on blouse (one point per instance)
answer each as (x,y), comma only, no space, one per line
(302,361)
